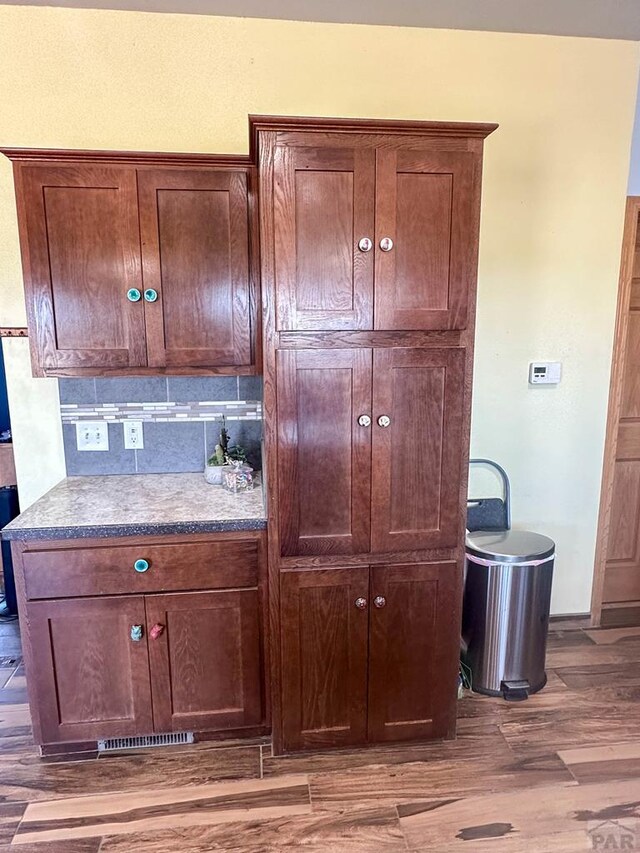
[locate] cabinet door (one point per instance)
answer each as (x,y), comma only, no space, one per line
(413,651)
(195,251)
(324,454)
(81,254)
(205,660)
(323,207)
(91,678)
(324,657)
(427,204)
(418,456)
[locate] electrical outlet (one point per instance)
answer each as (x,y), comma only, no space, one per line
(92,435)
(133,435)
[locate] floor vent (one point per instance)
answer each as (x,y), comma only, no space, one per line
(168,739)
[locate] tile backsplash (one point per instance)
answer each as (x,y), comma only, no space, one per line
(181,421)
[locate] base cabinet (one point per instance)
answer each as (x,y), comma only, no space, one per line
(368,654)
(204,654)
(110,653)
(91,680)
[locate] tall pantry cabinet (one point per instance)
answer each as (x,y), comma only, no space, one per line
(369,242)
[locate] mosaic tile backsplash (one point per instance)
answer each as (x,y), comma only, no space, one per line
(181,417)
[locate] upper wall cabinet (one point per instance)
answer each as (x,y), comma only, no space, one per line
(137,263)
(374,231)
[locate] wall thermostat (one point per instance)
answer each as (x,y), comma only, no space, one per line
(545,372)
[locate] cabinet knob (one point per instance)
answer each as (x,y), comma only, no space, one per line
(364,420)
(361,603)
(384,420)
(156,631)
(150,295)
(365,244)
(141,565)
(136,633)
(379,601)
(386,244)
(134,295)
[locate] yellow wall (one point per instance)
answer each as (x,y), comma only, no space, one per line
(555,179)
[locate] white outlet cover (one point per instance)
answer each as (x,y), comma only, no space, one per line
(133,435)
(92,435)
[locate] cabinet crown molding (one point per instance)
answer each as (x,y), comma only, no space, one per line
(257,123)
(134,158)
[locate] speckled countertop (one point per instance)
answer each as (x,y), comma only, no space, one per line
(137,504)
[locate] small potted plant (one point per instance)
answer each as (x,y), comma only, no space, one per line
(223,454)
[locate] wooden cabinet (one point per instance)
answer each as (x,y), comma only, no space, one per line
(195,256)
(138,660)
(369,252)
(204,651)
(324,649)
(89,677)
(370,445)
(369,654)
(373,233)
(325,455)
(413,651)
(81,256)
(137,263)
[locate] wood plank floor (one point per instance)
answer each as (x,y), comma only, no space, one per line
(556,774)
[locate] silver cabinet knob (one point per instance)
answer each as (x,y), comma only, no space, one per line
(384,420)
(364,420)
(365,244)
(386,244)
(361,603)
(379,601)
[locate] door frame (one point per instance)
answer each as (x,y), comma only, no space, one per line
(629,239)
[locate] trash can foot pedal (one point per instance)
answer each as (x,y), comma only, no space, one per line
(515,691)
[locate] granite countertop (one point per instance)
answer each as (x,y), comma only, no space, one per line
(137,504)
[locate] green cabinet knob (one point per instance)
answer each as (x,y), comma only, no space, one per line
(134,295)
(150,294)
(141,565)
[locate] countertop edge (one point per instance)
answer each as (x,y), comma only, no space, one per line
(106,531)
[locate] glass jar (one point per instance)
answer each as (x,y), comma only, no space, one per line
(237,477)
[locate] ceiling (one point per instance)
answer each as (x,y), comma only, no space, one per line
(618,19)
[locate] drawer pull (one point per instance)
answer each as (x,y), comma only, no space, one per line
(156,631)
(136,633)
(141,565)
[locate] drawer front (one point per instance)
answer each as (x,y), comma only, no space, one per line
(122,569)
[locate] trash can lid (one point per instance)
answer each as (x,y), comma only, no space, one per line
(509,546)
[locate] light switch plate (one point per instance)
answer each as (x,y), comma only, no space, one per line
(133,435)
(92,435)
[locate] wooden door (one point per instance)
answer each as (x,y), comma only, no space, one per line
(81,256)
(417,458)
(324,657)
(323,207)
(205,660)
(195,251)
(91,678)
(616,583)
(324,453)
(413,651)
(427,204)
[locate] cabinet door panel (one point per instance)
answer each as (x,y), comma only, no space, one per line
(205,665)
(413,651)
(416,474)
(82,254)
(324,658)
(195,250)
(324,455)
(91,678)
(427,202)
(323,201)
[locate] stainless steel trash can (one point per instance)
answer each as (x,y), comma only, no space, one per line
(506,611)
